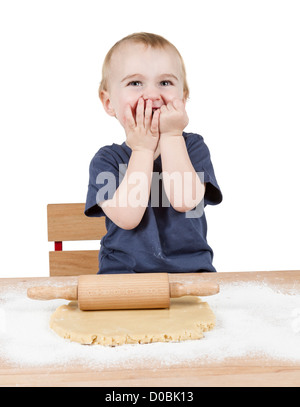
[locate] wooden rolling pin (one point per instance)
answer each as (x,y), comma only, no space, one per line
(123,291)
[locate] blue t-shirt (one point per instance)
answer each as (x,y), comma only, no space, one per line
(165,240)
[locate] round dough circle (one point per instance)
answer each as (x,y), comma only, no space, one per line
(186,319)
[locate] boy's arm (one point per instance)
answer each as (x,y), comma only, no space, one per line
(181,182)
(130,200)
(126,209)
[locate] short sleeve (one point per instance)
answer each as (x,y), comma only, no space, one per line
(200,158)
(104,175)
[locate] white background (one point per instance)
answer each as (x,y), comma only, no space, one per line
(243,65)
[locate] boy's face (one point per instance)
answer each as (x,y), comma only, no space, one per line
(139,71)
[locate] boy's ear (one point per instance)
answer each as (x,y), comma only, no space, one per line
(184,99)
(105,99)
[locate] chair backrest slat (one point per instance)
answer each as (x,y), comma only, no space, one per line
(67,222)
(73,262)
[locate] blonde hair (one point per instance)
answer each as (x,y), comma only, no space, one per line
(148,39)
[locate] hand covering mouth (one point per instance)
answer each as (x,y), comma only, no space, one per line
(154,109)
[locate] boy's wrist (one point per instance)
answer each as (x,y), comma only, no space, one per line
(170,135)
(142,151)
(140,147)
(171,143)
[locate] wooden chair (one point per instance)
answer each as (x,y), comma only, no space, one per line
(67,222)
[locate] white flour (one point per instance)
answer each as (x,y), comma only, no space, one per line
(252,319)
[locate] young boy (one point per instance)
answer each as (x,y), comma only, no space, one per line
(152,187)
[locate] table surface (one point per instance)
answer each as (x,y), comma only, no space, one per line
(232,372)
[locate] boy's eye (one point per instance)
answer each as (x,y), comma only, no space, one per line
(135,83)
(165,83)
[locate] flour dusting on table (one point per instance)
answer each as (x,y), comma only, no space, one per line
(251,319)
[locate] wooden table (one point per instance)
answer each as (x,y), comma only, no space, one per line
(233,372)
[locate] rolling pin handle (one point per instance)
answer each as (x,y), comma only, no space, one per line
(53,293)
(202,289)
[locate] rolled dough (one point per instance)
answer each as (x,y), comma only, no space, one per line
(186,319)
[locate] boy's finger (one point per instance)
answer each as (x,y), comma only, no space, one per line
(148,113)
(170,106)
(129,119)
(163,108)
(139,116)
(155,122)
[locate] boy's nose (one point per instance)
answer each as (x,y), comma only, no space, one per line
(152,94)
